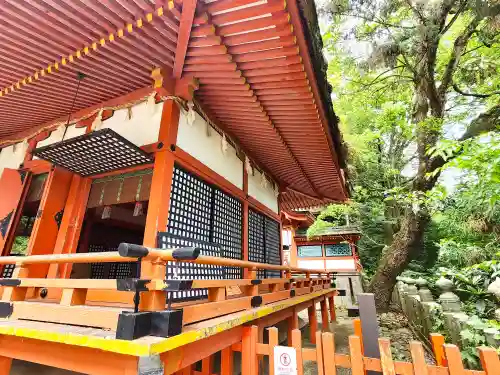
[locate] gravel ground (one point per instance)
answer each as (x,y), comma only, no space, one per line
(394,326)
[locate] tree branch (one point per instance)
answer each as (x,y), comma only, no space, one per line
(455,16)
(375,20)
(457,89)
(415,10)
(458,49)
(485,122)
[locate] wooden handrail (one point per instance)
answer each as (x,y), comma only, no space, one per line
(141,252)
(104,257)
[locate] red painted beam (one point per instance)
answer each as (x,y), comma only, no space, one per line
(299,82)
(280,18)
(289,96)
(210,67)
(277,78)
(282,91)
(281,30)
(271,63)
(286,41)
(217,59)
(206,41)
(238,87)
(186,22)
(271,54)
(222,81)
(271,71)
(272,6)
(202,31)
(222,5)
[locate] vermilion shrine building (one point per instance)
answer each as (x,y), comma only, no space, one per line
(181,124)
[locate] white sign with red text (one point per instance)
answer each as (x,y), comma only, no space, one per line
(285,361)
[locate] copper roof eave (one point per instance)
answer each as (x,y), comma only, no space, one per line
(248,45)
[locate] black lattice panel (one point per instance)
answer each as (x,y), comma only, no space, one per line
(256,248)
(273,245)
(93,153)
(8,270)
(110,270)
(189,271)
(227,225)
(190,206)
(98,270)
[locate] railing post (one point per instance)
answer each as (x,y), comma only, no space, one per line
(324,315)
(153,300)
(293,324)
(252,290)
(437,342)
(331,305)
(297,344)
(313,322)
(249,363)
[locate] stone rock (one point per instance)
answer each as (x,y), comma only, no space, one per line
(494,287)
(497,314)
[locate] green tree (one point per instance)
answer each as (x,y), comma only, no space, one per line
(437,62)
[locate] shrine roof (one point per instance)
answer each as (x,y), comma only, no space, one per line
(259,64)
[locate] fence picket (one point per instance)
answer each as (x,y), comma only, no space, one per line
(386,357)
(357,331)
(273,341)
(327,360)
(319,353)
(489,360)
(417,355)
(454,359)
(328,341)
(297,344)
(437,341)
(357,364)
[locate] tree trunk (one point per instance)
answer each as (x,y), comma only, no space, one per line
(406,244)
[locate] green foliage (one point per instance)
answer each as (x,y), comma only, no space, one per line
(472,287)
(472,337)
(379,55)
(20,245)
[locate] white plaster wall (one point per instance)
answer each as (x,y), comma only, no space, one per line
(142,128)
(264,194)
(73,132)
(57,135)
(12,156)
(311,264)
(340,264)
(207,149)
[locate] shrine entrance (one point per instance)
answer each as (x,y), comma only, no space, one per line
(116,212)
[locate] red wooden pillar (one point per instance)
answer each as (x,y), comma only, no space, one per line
(159,198)
(46,227)
(245,219)
(249,364)
(293,323)
(313,322)
(71,224)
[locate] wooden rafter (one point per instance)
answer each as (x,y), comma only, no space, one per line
(233,70)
